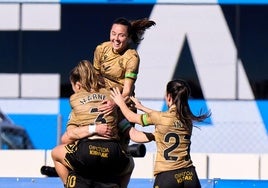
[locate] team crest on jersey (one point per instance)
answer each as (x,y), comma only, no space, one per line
(104,57)
(121,64)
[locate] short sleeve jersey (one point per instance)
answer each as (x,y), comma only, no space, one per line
(172,140)
(85,110)
(115,67)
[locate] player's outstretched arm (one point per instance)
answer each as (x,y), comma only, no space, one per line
(119,100)
(139,106)
(139,136)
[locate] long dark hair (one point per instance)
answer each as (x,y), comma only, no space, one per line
(180,92)
(135,28)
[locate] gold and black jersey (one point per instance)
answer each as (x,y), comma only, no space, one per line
(85,110)
(172,140)
(115,67)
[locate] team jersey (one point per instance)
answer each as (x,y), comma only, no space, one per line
(172,139)
(115,67)
(85,111)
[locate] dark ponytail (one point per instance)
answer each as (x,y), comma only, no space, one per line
(135,28)
(179,91)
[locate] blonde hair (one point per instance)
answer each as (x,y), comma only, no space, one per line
(85,73)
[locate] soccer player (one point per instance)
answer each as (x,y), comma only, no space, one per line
(173,130)
(117,61)
(91,149)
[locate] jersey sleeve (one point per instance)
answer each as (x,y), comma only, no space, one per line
(124,125)
(97,57)
(132,67)
(72,120)
(151,118)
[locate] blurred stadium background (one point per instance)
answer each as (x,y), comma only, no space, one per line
(219,47)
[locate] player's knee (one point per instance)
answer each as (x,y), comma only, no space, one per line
(55,153)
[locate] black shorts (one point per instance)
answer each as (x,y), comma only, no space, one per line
(129,166)
(100,160)
(74,180)
(181,178)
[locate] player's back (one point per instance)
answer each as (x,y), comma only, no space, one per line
(85,109)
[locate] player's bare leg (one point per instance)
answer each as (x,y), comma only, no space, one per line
(58,154)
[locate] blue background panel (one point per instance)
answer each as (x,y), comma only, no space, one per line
(56,183)
(240,183)
(42,128)
(134,183)
(263,108)
(111,1)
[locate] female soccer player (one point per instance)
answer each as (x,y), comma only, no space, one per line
(91,149)
(117,61)
(173,130)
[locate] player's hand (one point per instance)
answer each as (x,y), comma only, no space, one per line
(136,102)
(117,96)
(107,107)
(104,130)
